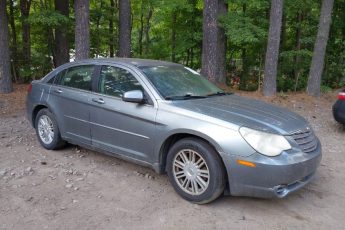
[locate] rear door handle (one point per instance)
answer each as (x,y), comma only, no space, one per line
(57,90)
(98,100)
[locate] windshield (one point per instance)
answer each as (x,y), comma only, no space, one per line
(175,82)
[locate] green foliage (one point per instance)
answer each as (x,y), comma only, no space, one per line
(243,30)
(246,26)
(181,17)
(49,18)
(163,29)
(101,13)
(325,89)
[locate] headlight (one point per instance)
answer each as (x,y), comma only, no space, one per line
(265,143)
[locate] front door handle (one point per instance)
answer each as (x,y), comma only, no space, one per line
(57,90)
(98,100)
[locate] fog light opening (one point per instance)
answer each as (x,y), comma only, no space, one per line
(281,190)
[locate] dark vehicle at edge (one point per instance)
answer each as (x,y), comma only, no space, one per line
(339,108)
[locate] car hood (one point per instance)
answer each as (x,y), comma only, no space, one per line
(247,112)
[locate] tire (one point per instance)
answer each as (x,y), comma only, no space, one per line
(201,177)
(47,130)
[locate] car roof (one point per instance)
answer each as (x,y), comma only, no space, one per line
(129,62)
(137,62)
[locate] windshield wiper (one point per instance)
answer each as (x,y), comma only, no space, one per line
(219,93)
(183,97)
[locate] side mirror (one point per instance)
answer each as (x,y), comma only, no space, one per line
(135,96)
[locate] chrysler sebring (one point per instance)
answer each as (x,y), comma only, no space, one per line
(170,118)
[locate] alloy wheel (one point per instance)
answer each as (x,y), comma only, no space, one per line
(45,129)
(191,172)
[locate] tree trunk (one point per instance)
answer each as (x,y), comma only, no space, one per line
(221,75)
(125,28)
(51,43)
(111,29)
(317,63)
(298,48)
(173,36)
(147,30)
(283,38)
(14,53)
(212,41)
(283,32)
(25,10)
(245,70)
(272,53)
(192,57)
(188,57)
(5,65)
(209,40)
(82,29)
(141,32)
(61,35)
(195,31)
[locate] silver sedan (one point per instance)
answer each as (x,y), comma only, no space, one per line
(172,119)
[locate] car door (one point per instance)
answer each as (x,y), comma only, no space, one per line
(117,126)
(70,100)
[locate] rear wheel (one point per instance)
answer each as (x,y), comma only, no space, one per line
(47,130)
(195,170)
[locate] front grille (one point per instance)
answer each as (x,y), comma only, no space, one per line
(306,140)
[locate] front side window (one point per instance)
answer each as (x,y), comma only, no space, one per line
(57,77)
(51,81)
(78,77)
(115,81)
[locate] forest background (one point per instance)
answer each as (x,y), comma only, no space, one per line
(273,46)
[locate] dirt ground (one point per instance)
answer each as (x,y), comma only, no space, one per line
(76,188)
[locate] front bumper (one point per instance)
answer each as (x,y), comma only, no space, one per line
(273,176)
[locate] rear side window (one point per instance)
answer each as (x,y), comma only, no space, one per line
(79,77)
(116,81)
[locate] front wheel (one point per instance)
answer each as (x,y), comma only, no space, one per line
(47,130)
(195,170)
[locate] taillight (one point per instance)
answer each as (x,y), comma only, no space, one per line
(341,96)
(30,88)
